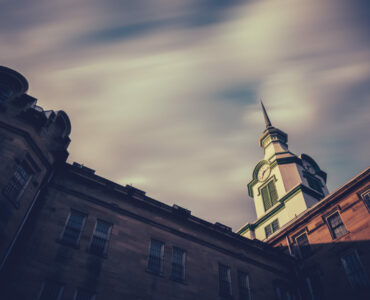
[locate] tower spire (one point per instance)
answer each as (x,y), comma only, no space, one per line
(267,120)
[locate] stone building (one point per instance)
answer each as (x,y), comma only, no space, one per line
(67,233)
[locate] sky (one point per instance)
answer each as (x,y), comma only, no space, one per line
(164,94)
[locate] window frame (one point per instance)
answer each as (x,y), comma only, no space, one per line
(271,228)
(266,186)
(25,165)
(314,179)
(161,258)
(300,252)
(363,194)
(183,264)
(361,268)
(333,235)
(229,293)
(77,244)
(243,290)
(105,251)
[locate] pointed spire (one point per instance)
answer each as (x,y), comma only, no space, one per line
(267,120)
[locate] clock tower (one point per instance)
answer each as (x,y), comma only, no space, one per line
(283,184)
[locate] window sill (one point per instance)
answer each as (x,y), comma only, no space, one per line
(178,280)
(159,274)
(102,255)
(337,239)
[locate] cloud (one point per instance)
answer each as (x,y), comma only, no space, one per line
(165,95)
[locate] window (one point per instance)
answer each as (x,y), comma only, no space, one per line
(366,197)
(336,225)
(354,270)
(285,292)
(314,183)
(84,295)
(51,291)
(178,264)
(156,253)
(73,228)
(312,288)
(244,287)
(303,245)
(271,228)
(269,195)
(100,238)
(224,280)
(17,183)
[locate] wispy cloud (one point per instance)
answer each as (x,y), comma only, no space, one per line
(164,94)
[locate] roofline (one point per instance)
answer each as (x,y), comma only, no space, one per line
(256,245)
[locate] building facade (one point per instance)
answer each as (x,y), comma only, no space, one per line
(67,233)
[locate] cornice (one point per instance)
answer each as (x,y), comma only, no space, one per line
(275,209)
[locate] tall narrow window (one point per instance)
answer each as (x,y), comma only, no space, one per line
(178,264)
(224,280)
(269,195)
(303,245)
(314,183)
(313,288)
(284,292)
(17,183)
(84,295)
(244,287)
(51,291)
(366,197)
(156,253)
(336,225)
(100,238)
(272,227)
(72,230)
(354,270)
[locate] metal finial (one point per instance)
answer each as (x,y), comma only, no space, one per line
(267,120)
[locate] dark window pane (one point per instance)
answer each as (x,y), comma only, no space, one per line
(275,225)
(336,225)
(100,238)
(273,192)
(178,264)
(20,178)
(303,245)
(366,197)
(244,288)
(265,198)
(314,183)
(355,272)
(224,280)
(268,230)
(155,256)
(73,228)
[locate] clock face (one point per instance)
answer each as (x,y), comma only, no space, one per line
(308,167)
(264,172)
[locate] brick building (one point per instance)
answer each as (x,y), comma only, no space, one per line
(67,233)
